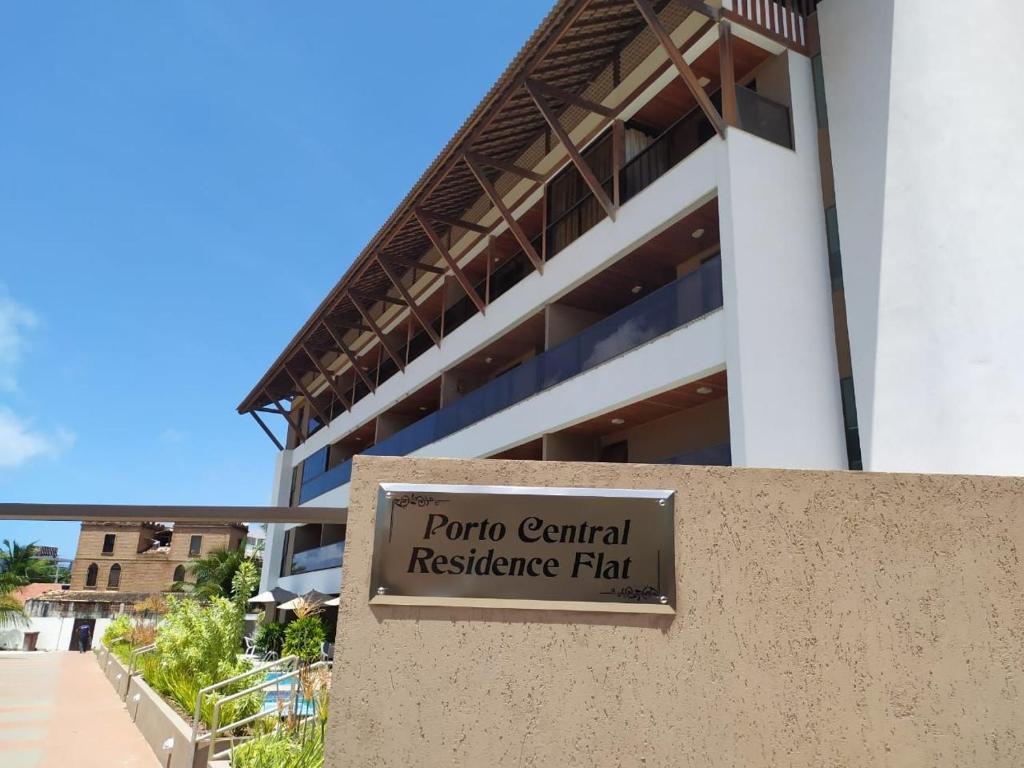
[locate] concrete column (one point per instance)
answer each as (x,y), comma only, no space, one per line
(925,117)
(279,497)
(784,401)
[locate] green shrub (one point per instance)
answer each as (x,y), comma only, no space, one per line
(201,640)
(270,637)
(304,638)
(284,748)
(118,630)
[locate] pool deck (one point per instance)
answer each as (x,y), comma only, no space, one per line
(57,710)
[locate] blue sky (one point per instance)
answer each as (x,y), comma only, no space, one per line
(180,185)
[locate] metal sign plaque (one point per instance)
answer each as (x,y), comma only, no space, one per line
(592,549)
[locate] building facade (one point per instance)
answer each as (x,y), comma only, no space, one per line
(690,233)
(144,557)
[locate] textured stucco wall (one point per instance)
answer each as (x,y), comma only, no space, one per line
(823,618)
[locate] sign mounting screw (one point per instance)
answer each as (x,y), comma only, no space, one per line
(661,502)
(663,600)
(382,590)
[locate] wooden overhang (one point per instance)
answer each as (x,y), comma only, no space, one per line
(572,62)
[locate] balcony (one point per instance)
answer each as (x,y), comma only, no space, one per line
(667,308)
(318,559)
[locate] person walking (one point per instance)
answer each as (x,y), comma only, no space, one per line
(84,638)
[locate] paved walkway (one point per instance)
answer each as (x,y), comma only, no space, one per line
(57,710)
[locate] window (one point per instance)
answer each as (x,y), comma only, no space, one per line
(114,579)
(179,573)
(108,544)
(195,546)
(90,575)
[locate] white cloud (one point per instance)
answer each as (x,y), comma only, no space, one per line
(15,321)
(19,442)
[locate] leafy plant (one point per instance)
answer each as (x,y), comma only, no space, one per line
(118,630)
(304,638)
(270,637)
(213,574)
(201,640)
(20,561)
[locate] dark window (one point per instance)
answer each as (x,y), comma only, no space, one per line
(179,573)
(616,452)
(108,544)
(114,579)
(90,575)
(195,546)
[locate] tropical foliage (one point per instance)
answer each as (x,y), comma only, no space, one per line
(269,638)
(21,561)
(12,612)
(305,636)
(212,575)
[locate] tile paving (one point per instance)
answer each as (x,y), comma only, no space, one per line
(57,710)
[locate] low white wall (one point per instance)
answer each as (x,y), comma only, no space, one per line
(55,633)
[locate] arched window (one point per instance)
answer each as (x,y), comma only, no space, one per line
(90,575)
(114,579)
(179,573)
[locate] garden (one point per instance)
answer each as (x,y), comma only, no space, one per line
(269,704)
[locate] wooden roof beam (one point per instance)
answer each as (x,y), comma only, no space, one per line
(570,98)
(266,429)
(392,259)
(574,154)
(453,221)
(305,393)
(453,265)
(676,56)
(381,297)
(328,377)
(281,411)
(506,214)
(501,165)
(414,310)
(377,331)
(351,358)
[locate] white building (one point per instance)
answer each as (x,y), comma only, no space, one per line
(693,234)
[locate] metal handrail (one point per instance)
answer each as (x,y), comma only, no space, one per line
(216,727)
(248,673)
(141,651)
(194,737)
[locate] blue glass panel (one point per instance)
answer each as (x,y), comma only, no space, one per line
(664,310)
(328,556)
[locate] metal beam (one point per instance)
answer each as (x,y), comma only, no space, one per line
(328,377)
(351,358)
(266,429)
(506,214)
(571,98)
(581,164)
(124,513)
(501,165)
(453,221)
(689,78)
(414,310)
(377,331)
(453,265)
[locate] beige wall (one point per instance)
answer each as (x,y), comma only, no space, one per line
(823,618)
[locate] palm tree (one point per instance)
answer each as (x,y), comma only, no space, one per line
(20,560)
(12,612)
(213,573)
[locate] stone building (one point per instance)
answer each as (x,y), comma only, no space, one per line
(144,557)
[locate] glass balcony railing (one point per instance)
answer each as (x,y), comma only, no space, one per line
(318,559)
(664,310)
(709,456)
(764,117)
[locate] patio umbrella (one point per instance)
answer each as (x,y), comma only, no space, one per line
(313,596)
(334,602)
(275,595)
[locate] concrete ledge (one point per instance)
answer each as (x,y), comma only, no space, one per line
(116,672)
